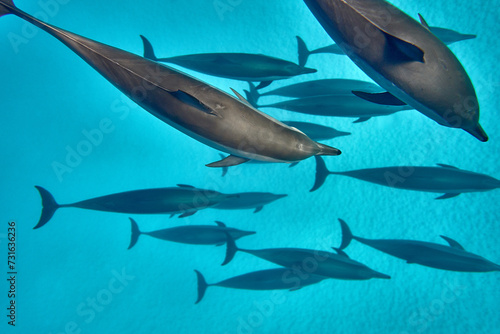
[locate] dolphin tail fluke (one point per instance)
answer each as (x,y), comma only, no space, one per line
(202,286)
(6,10)
(231,249)
(304,52)
(346,234)
(149,52)
(49,207)
(135,233)
(321,173)
(252,95)
(478,132)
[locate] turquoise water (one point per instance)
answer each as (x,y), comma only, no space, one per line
(50,97)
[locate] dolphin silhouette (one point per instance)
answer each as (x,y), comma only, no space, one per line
(197,109)
(182,199)
(248,200)
(317,132)
(270,279)
(315,262)
(405,58)
(442,179)
(447,36)
(192,234)
(237,66)
(453,257)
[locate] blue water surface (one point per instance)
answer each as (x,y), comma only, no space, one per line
(75,275)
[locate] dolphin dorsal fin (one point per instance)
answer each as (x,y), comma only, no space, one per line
(340,252)
(453,243)
(424,23)
(185,186)
(220,224)
(447,166)
(242,99)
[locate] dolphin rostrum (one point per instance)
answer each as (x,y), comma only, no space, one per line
(270,279)
(315,262)
(189,105)
(442,179)
(248,200)
(237,66)
(453,257)
(405,58)
(447,36)
(183,199)
(191,234)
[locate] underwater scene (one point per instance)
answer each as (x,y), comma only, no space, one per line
(236,166)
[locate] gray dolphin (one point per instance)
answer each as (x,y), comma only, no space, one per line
(237,66)
(248,200)
(405,58)
(183,199)
(447,36)
(442,179)
(270,279)
(315,262)
(197,109)
(453,257)
(192,234)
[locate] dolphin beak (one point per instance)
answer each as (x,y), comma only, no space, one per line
(466,36)
(479,133)
(380,275)
(342,133)
(281,196)
(306,70)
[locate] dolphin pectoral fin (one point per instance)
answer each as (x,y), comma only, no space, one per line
(404,51)
(449,195)
(220,244)
(220,224)
(228,161)
(453,243)
(264,84)
(224,169)
(424,23)
(172,215)
(258,209)
(187,214)
(361,119)
(447,166)
(193,102)
(385,98)
(295,289)
(293,164)
(242,99)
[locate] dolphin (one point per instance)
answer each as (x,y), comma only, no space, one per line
(405,58)
(197,109)
(192,234)
(248,200)
(270,279)
(237,66)
(446,179)
(453,257)
(182,199)
(447,36)
(315,262)
(317,132)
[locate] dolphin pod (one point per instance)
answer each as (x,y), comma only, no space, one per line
(405,58)
(315,262)
(192,234)
(237,66)
(447,36)
(199,110)
(453,257)
(182,199)
(270,279)
(445,179)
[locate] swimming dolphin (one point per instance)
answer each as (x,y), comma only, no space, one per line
(447,36)
(192,234)
(248,200)
(317,132)
(453,257)
(315,262)
(442,179)
(404,57)
(182,199)
(270,279)
(189,105)
(237,66)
